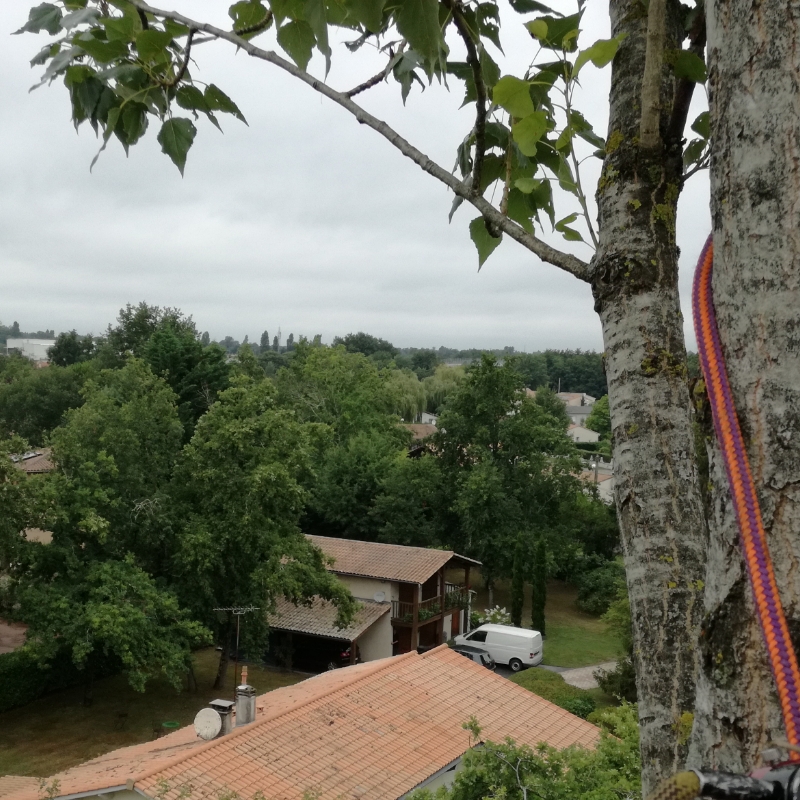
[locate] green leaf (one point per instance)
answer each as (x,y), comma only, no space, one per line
(570,234)
(561,33)
(134,122)
(317,18)
(702,125)
(418,22)
(528,131)
(602,52)
(48,51)
(297,39)
(583,128)
(102,52)
(537,28)
(526,185)
(565,179)
(152,45)
(529,6)
(694,151)
(368,13)
(176,137)
(119,29)
(82,16)
(519,209)
(217,100)
(483,240)
(175,29)
(514,96)
(247,14)
(690,66)
(494,168)
(489,69)
(42,17)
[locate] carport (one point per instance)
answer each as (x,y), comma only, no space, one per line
(302,629)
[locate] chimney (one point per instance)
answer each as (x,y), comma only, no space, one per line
(225,709)
(245,701)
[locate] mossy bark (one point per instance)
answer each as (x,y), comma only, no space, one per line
(754,63)
(659,504)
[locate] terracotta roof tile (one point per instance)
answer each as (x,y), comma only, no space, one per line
(15,783)
(371,731)
(319,618)
(37,461)
(391,562)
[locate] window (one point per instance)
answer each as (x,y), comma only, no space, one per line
(478,636)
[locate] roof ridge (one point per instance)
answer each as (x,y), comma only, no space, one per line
(381,544)
(131,782)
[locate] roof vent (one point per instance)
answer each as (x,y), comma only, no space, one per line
(245,701)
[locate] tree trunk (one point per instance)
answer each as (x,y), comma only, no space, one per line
(754,62)
(224,656)
(657,492)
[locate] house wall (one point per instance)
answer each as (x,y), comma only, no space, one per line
(366,588)
(581,434)
(376,641)
(448,626)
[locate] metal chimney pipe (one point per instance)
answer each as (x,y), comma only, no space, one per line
(245,704)
(225,709)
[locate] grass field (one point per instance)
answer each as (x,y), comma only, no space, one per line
(574,639)
(56,732)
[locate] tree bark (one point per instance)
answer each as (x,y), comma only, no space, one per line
(754,63)
(657,491)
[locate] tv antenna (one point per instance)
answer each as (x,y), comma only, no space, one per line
(238,612)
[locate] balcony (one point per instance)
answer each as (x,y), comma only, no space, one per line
(454,597)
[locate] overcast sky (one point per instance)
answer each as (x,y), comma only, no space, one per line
(304,220)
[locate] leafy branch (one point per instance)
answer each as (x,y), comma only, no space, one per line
(493,217)
(382,75)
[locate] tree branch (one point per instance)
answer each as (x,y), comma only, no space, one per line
(182,70)
(565,261)
(376,79)
(649,134)
(685,88)
(474,61)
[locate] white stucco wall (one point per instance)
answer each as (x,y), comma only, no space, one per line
(447,627)
(376,642)
(366,588)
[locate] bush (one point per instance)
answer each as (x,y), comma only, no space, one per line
(551,686)
(619,682)
(598,588)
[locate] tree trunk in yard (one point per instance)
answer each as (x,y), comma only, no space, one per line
(754,64)
(659,504)
(224,656)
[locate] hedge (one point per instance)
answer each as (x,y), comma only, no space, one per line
(551,686)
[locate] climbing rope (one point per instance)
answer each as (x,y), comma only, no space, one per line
(752,536)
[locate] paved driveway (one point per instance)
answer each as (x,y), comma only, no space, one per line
(582,677)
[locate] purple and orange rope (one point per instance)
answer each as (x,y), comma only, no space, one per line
(752,535)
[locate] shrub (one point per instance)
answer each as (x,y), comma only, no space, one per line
(496,615)
(551,686)
(619,682)
(598,588)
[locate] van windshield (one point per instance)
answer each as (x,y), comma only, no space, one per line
(478,636)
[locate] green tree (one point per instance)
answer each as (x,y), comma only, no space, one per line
(195,373)
(533,369)
(136,324)
(115,455)
(518,583)
(424,362)
(69,348)
(408,395)
(547,400)
(33,402)
(539,584)
(364,343)
(205,339)
(237,499)
(608,772)
(15,330)
(265,340)
(110,608)
(599,418)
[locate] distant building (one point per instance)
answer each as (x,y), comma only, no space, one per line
(428,419)
(580,434)
(604,483)
(34,349)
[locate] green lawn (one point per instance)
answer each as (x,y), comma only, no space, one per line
(574,638)
(56,732)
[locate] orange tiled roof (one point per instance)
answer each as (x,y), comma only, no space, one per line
(373,731)
(14,783)
(319,618)
(389,562)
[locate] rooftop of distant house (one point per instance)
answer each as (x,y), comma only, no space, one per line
(389,562)
(375,731)
(419,430)
(35,461)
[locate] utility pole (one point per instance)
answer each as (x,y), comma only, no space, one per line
(237,612)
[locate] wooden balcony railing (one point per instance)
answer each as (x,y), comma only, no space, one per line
(454,597)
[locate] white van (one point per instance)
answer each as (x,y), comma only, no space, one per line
(517,647)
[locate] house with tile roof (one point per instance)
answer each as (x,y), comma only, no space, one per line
(374,731)
(405,600)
